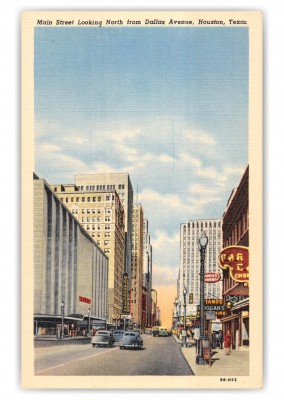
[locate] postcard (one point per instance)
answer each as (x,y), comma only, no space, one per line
(141,199)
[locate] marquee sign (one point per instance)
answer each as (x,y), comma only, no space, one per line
(125,293)
(236,259)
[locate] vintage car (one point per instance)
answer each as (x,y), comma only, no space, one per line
(103,338)
(117,335)
(155,330)
(163,331)
(131,340)
(159,331)
(148,331)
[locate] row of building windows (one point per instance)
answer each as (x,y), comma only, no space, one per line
(98,227)
(88,199)
(101,187)
(203,225)
(99,235)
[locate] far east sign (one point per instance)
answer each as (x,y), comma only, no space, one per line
(236,259)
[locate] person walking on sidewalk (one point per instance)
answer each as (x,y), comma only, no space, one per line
(220,339)
(228,342)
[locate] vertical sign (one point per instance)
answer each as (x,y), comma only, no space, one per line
(125,293)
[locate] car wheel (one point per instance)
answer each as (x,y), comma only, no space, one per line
(93,345)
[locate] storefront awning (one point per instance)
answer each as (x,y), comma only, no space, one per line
(241,304)
(229,318)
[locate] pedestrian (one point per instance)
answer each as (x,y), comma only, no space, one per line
(228,342)
(220,339)
(214,340)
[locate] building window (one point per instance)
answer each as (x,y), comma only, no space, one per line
(83,199)
(89,199)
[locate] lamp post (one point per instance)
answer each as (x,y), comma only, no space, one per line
(62,319)
(179,312)
(184,315)
(89,312)
(203,241)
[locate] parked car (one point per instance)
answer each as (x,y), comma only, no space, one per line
(148,331)
(131,340)
(117,335)
(103,338)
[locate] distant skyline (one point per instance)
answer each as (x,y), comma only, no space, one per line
(167,105)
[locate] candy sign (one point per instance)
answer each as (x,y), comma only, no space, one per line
(236,259)
(212,277)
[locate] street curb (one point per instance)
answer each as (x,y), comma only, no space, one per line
(179,342)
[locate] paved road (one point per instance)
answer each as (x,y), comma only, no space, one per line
(159,356)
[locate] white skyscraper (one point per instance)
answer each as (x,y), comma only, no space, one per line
(189,277)
(147,269)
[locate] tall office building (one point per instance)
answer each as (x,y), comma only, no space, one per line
(137,265)
(154,302)
(147,271)
(69,266)
(189,277)
(122,184)
(101,214)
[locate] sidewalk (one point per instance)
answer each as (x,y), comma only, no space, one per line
(66,339)
(236,364)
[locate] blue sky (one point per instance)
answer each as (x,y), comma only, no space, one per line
(167,105)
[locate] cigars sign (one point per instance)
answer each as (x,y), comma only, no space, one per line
(236,259)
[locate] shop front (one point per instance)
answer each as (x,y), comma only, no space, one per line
(75,325)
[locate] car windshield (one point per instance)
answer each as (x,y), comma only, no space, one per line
(101,333)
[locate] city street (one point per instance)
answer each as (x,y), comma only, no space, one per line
(159,356)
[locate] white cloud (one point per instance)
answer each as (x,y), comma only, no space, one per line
(120,136)
(43,148)
(161,200)
(163,237)
(200,137)
(79,140)
(164,274)
(186,158)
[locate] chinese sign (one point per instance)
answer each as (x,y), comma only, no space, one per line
(236,259)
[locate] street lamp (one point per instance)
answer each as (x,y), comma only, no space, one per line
(62,319)
(179,311)
(89,312)
(203,241)
(184,315)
